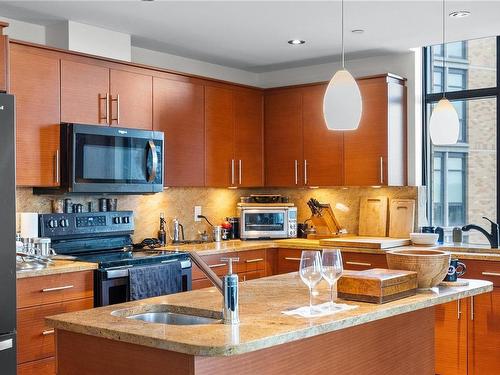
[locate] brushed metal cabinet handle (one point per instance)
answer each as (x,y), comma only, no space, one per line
(240,166)
(296,172)
(106,106)
(57,166)
(254,260)
(54,289)
(381,169)
(6,344)
(232,171)
(459,312)
(291,258)
(358,264)
(305,172)
(217,265)
(472,308)
(490,273)
(117,100)
(154,163)
(48,332)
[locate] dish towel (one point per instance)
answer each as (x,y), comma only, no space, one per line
(154,280)
(323,309)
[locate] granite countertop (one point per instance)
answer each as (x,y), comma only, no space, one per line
(262,323)
(57,267)
(464,251)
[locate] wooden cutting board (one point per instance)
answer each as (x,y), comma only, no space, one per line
(377,285)
(373,216)
(401,218)
(365,242)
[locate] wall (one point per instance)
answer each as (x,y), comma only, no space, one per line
(219,203)
(28,32)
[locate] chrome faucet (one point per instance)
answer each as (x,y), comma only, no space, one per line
(492,237)
(228,287)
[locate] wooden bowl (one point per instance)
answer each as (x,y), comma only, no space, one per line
(431,265)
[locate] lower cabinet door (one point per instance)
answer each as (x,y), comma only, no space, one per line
(201,283)
(288,260)
(252,275)
(45,366)
(484,334)
(451,338)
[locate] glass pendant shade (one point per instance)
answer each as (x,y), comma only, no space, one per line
(342,104)
(444,124)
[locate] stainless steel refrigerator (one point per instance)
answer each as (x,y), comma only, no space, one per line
(7,236)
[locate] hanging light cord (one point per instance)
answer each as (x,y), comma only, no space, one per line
(342,32)
(444,53)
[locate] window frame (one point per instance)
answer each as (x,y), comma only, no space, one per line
(430,97)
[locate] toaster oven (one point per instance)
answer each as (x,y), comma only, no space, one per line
(267,222)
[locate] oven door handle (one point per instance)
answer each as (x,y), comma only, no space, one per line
(116,272)
(154,156)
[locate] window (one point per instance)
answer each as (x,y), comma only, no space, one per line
(462,178)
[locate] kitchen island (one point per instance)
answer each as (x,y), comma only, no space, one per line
(393,338)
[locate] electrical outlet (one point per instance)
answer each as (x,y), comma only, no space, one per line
(197,211)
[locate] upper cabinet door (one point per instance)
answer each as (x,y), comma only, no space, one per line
(249,138)
(178,112)
(365,149)
(323,148)
(131,99)
(4,62)
(220,167)
(84,90)
(35,83)
(283,138)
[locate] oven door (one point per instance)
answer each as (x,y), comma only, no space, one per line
(263,223)
(107,159)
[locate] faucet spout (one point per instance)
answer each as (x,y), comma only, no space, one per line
(211,275)
(492,236)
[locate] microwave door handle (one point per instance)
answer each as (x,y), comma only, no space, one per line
(154,166)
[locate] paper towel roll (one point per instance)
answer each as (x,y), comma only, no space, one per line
(29,224)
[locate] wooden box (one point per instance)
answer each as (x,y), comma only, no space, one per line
(377,285)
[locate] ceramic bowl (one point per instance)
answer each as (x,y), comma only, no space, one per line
(431,265)
(424,238)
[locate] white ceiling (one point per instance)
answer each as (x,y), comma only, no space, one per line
(252,35)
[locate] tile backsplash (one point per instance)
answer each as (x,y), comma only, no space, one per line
(219,203)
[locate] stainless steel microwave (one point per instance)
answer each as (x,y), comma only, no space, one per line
(105,159)
(266,222)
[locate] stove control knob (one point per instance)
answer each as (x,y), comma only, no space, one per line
(125,220)
(64,223)
(117,220)
(52,223)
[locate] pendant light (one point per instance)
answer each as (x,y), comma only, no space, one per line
(444,123)
(342,103)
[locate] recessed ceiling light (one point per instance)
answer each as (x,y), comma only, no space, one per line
(296,42)
(357,31)
(460,14)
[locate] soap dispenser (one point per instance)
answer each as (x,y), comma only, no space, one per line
(230,293)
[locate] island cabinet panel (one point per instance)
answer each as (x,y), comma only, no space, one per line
(34,80)
(249,138)
(220,167)
(323,163)
(375,154)
(288,260)
(84,93)
(360,261)
(37,298)
(178,112)
(131,99)
(283,138)
(451,338)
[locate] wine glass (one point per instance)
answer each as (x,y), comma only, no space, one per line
(310,271)
(332,268)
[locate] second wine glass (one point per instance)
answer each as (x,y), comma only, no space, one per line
(331,268)
(310,271)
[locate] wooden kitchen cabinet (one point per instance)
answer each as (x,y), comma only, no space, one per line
(323,161)
(451,338)
(233,137)
(34,80)
(283,138)
(84,88)
(37,298)
(131,99)
(178,111)
(248,139)
(360,261)
(4,59)
(375,153)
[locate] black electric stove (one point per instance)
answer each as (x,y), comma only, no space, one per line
(105,238)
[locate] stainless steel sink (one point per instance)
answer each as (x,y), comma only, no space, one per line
(166,317)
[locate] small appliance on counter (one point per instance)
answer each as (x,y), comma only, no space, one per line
(267,216)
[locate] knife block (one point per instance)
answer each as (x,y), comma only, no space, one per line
(326,224)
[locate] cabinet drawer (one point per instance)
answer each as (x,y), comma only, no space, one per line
(359,261)
(288,260)
(45,366)
(483,270)
(42,290)
(35,340)
(215,263)
(201,283)
(252,260)
(252,275)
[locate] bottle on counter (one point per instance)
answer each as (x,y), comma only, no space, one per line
(162,234)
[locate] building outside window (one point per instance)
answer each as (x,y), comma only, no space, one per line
(462,178)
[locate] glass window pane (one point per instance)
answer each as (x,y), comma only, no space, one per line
(475,59)
(455,163)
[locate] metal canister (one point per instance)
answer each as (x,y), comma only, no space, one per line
(217,233)
(42,246)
